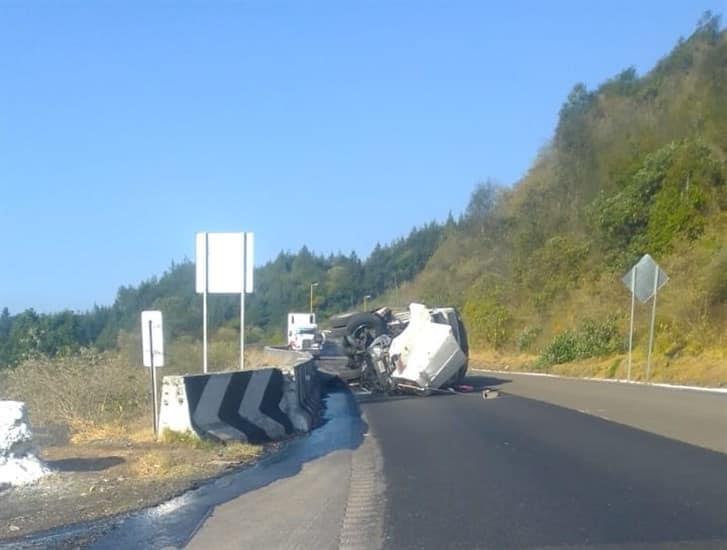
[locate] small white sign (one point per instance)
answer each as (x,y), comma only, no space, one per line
(224,263)
(152,338)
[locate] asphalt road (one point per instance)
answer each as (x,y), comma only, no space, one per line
(692,416)
(514,472)
(524,470)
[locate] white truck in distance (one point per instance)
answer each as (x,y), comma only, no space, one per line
(303,333)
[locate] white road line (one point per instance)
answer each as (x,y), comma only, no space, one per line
(614,381)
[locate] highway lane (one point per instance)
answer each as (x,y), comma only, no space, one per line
(524,470)
(514,472)
(457,471)
(693,416)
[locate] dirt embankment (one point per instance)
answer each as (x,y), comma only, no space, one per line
(110,473)
(91,415)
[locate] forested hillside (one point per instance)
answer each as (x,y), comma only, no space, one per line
(282,285)
(635,166)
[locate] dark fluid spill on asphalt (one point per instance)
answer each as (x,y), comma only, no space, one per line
(172,523)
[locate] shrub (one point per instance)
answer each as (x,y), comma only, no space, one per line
(591,339)
(488,321)
(562,349)
(527,337)
(715,281)
(81,390)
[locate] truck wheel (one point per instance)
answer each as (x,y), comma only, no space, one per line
(362,329)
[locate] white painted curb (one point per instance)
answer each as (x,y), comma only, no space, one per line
(613,381)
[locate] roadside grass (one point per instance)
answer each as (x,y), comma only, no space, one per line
(91,412)
(102,401)
(102,395)
(83,391)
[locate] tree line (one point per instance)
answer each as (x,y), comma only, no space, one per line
(282,285)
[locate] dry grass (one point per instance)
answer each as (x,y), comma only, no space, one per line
(103,399)
(708,369)
(81,391)
(187,458)
(138,431)
(496,360)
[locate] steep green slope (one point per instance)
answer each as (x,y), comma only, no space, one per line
(636,166)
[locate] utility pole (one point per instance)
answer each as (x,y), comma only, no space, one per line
(312,286)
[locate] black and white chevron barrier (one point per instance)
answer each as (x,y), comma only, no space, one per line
(244,405)
(239,405)
(254,405)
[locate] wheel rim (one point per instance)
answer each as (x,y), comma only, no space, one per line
(361,337)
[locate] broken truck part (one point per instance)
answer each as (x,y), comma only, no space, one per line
(419,350)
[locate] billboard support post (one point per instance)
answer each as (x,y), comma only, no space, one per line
(204,303)
(248,272)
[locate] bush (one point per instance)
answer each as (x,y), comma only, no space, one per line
(563,349)
(592,339)
(527,337)
(715,281)
(670,195)
(81,390)
(488,321)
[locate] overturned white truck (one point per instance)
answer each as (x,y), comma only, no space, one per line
(419,350)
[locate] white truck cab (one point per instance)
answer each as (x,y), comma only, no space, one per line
(303,333)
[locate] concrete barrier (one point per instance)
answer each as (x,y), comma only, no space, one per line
(18,463)
(241,405)
(301,367)
(254,405)
(309,388)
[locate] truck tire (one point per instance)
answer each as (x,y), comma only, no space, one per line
(341,321)
(361,330)
(463,343)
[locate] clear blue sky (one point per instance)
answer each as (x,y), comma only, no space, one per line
(127,127)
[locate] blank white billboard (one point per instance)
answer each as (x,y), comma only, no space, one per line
(221,262)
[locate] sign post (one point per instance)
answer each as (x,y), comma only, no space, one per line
(653,318)
(224,265)
(631,329)
(644,280)
(152,350)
